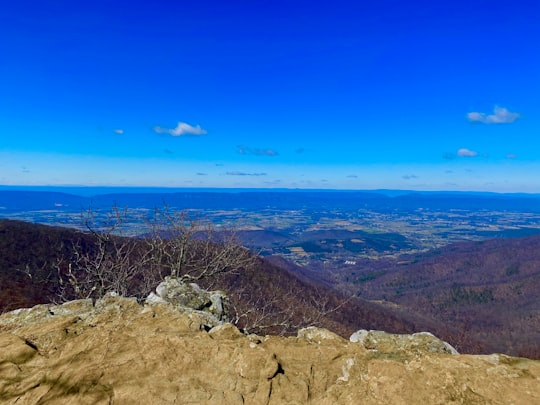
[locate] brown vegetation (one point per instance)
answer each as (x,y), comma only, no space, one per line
(480,297)
(485,291)
(264,297)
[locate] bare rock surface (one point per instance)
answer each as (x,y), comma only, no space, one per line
(119,352)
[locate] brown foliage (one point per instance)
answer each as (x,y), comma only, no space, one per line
(487,294)
(265,298)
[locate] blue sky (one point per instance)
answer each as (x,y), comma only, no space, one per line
(420,95)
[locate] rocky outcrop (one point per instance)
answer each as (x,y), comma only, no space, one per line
(119,352)
(211,305)
(422,342)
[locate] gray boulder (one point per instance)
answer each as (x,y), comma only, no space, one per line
(179,294)
(318,335)
(422,342)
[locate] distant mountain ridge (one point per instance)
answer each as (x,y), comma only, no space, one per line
(13,199)
(479,293)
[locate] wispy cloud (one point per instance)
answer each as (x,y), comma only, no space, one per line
(168,151)
(182,129)
(273,182)
(409,177)
(246,150)
(352,176)
(500,116)
(511,156)
(235,173)
(202,174)
(464,152)
(118,131)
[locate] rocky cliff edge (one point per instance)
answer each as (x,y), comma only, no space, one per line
(116,351)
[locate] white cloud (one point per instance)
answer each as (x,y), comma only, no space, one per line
(181,129)
(511,156)
(500,116)
(237,173)
(464,152)
(119,131)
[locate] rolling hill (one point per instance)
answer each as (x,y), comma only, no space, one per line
(479,296)
(489,290)
(28,277)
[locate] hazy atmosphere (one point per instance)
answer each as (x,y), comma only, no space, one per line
(420,95)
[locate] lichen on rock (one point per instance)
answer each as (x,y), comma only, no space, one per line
(180,294)
(421,342)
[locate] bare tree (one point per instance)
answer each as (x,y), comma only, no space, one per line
(194,250)
(257,314)
(272,312)
(102,260)
(105,260)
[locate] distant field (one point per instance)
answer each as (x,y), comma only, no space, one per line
(329,225)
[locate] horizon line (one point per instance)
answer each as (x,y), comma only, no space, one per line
(396,191)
